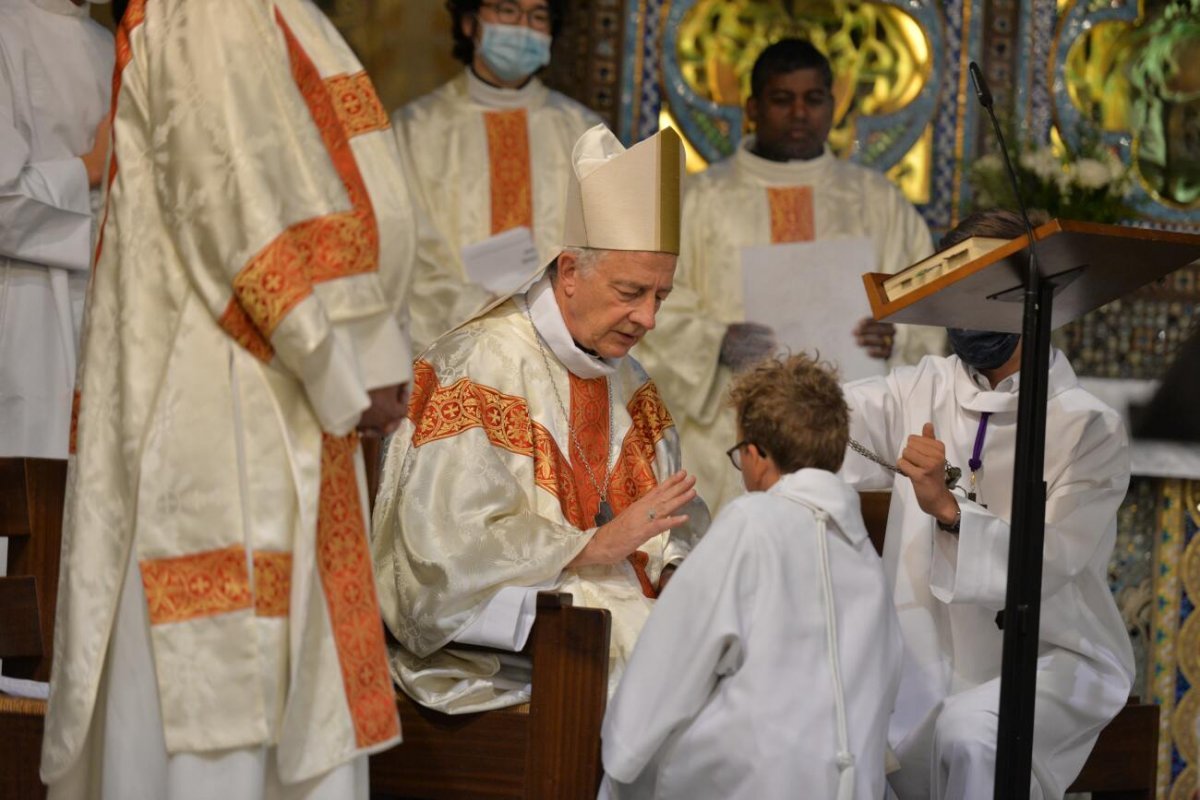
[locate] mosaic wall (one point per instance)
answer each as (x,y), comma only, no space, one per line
(1123,72)
(1173,656)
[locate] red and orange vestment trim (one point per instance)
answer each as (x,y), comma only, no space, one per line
(325,248)
(216,582)
(440,412)
(791,214)
(509,168)
(344,564)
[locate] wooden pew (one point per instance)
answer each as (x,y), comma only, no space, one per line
(1123,764)
(31,509)
(546,750)
(31,505)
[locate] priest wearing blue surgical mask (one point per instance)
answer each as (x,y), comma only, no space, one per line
(490,151)
(946,555)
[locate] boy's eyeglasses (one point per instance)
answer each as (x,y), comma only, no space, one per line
(735,454)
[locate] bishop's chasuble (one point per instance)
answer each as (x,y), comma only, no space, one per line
(253,251)
(749,201)
(484,491)
(484,160)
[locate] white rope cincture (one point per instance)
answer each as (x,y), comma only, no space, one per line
(845,758)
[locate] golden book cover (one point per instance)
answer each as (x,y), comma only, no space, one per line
(939,264)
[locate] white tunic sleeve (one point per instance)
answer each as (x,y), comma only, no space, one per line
(45,216)
(694,637)
(1081,505)
(875,422)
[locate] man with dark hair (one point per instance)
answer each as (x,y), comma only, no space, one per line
(490,150)
(783,185)
(785,584)
(946,555)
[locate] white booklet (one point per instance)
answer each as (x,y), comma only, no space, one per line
(501,263)
(811,294)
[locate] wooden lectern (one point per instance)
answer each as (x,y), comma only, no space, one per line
(1074,267)
(1089,264)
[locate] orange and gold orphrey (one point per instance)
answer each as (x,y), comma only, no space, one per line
(344,564)
(511,173)
(791,214)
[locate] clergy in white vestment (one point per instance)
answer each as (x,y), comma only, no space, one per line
(490,150)
(782,185)
(537,454)
(946,555)
(217,631)
(769,667)
(55,81)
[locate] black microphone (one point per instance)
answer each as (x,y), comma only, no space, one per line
(985,100)
(981,87)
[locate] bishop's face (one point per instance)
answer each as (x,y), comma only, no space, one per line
(609,305)
(793,116)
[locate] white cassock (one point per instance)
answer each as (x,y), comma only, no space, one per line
(484,500)
(217,634)
(55,81)
(948,588)
(731,691)
(484,160)
(749,201)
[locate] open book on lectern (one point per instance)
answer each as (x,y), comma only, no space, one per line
(979,284)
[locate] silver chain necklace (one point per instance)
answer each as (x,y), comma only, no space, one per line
(605,512)
(953,473)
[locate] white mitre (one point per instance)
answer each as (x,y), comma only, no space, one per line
(620,199)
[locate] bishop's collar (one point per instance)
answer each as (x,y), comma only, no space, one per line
(548,320)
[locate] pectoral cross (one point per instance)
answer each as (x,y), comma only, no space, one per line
(605,514)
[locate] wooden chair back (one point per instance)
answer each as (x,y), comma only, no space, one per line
(548,749)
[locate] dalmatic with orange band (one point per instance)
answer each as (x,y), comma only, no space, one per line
(250,288)
(485,160)
(750,201)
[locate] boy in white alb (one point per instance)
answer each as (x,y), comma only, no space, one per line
(770,667)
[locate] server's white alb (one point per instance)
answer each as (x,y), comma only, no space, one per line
(730,692)
(948,588)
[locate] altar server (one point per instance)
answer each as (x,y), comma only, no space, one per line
(769,667)
(946,555)
(55,82)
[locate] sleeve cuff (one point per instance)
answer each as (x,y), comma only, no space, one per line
(335,390)
(384,353)
(971,567)
(507,619)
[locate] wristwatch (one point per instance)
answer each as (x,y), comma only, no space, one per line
(952,528)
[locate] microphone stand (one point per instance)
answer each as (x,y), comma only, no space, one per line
(1023,595)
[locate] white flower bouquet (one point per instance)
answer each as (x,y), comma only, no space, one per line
(1091,187)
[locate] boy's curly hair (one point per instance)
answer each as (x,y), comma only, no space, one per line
(792,408)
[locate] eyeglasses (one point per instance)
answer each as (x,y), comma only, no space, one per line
(511,13)
(735,454)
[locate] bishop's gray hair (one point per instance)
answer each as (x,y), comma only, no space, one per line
(586,258)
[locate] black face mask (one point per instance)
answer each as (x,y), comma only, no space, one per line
(983,349)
